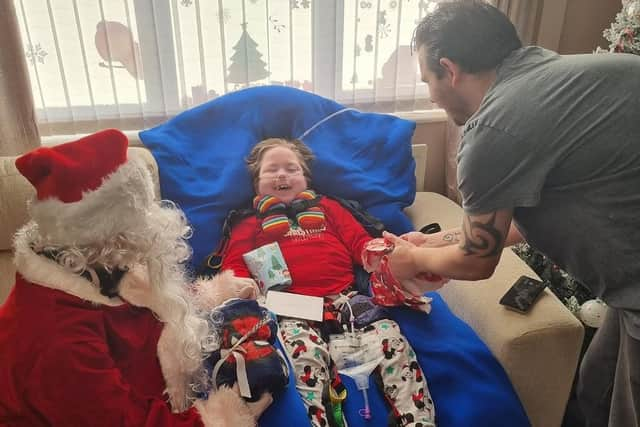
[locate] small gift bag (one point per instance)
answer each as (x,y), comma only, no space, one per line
(268,268)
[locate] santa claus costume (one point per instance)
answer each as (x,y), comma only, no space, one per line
(99,329)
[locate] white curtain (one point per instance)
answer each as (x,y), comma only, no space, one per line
(134,63)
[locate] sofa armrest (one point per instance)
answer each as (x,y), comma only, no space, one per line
(539,350)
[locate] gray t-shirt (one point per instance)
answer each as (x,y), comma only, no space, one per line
(557,138)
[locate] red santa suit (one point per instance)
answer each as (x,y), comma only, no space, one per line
(70,356)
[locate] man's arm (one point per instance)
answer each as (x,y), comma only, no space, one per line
(454,236)
(479,246)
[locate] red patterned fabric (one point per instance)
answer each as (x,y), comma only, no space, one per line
(388,292)
(385,288)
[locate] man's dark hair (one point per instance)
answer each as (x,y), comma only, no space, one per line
(471,33)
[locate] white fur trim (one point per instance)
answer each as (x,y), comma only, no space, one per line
(175,374)
(120,204)
(45,272)
(225,408)
(213,291)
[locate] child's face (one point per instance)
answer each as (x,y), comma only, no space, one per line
(281,174)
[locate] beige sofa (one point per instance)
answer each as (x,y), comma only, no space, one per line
(539,351)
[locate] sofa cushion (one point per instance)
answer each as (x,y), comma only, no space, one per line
(7,273)
(15,190)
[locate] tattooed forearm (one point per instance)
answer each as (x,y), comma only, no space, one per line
(482,238)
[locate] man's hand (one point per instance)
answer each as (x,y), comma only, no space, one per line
(403,266)
(415,237)
(419,286)
(401,260)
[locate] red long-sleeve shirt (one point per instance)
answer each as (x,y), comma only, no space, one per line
(320,261)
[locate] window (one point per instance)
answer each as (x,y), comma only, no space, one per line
(134,63)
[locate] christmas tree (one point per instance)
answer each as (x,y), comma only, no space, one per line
(275,264)
(246,63)
(624,33)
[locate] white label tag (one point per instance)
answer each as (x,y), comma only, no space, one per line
(294,305)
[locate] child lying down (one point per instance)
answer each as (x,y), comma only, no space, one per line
(320,242)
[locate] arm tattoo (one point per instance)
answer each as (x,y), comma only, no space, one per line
(482,238)
(452,237)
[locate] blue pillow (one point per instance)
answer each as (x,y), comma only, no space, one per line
(359,156)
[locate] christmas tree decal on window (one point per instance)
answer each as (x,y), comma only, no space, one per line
(246,63)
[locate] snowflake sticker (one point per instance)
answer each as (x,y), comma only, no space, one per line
(384,28)
(186,3)
(36,53)
(277,26)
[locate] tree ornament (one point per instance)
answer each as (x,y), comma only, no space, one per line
(592,312)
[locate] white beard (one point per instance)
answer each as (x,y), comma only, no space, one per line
(154,255)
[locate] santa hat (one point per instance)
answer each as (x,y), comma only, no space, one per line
(86,190)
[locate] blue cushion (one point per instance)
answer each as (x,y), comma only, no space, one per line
(359,156)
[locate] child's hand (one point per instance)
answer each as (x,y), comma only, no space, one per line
(373,252)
